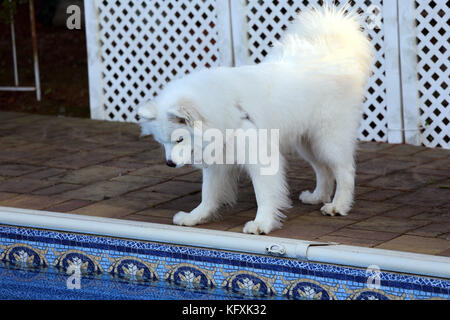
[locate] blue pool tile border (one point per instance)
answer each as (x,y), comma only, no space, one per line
(281,267)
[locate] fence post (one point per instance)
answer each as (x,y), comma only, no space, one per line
(239,30)
(408,67)
(393,80)
(224,30)
(94,60)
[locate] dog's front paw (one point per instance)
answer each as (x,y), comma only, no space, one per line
(258,227)
(330,209)
(185,219)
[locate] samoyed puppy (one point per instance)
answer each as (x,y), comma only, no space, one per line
(309,89)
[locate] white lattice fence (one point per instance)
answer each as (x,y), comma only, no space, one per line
(141,45)
(433,38)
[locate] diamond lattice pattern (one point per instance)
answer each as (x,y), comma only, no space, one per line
(433,37)
(145,44)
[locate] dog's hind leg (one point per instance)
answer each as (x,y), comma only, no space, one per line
(272,196)
(219,187)
(340,160)
(324,177)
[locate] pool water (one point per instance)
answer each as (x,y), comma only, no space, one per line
(28,284)
(44,264)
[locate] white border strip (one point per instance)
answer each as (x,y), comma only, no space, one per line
(386,260)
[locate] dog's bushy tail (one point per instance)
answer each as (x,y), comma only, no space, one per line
(328,34)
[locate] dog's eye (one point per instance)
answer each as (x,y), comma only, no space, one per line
(180,139)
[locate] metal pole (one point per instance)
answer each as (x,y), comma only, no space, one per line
(14,52)
(35,52)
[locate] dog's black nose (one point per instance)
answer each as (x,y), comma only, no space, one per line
(170,163)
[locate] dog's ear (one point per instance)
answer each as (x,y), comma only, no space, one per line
(185,113)
(147,110)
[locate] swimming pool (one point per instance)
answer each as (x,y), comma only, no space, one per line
(47,264)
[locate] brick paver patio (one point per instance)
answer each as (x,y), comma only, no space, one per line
(104,169)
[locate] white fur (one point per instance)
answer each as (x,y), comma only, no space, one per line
(310,88)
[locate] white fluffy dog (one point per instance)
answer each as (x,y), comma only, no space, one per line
(310,88)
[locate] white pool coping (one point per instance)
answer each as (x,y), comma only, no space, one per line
(321,252)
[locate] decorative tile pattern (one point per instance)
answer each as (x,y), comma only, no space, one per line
(249,284)
(113,268)
(308,289)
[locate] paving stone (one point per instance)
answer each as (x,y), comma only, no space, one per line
(157,213)
(138,181)
(77,144)
(23,185)
(128,165)
(351,232)
(431,196)
(405,212)
(32,201)
(437,167)
(294,172)
(403,181)
(7,195)
(196,176)
(43,155)
(402,150)
(45,173)
(309,227)
(378,195)
(149,219)
(88,175)
(80,160)
(434,152)
(432,230)
(186,203)
(153,156)
(122,149)
(112,208)
(176,187)
(362,156)
(362,178)
(381,223)
(383,166)
(236,208)
(152,198)
(100,190)
(372,207)
(68,205)
(224,223)
(15,170)
(434,215)
(251,214)
(373,146)
(56,189)
(417,244)
(162,170)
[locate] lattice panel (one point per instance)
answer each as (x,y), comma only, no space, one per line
(267,21)
(433,37)
(145,44)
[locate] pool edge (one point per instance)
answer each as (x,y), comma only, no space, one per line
(320,252)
